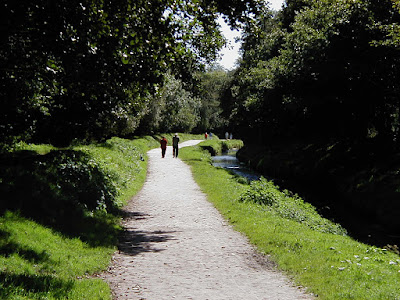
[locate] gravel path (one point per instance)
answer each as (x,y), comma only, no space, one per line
(177,246)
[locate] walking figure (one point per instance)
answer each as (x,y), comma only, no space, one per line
(175,148)
(163,143)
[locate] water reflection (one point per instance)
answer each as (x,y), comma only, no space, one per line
(230,162)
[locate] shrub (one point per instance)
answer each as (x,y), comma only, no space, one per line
(288,205)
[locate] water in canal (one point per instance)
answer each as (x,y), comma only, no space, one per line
(229,161)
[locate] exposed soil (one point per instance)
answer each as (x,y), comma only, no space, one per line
(176,245)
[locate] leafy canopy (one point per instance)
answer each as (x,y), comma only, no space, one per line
(83,69)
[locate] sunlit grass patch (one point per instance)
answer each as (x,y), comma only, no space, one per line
(38,263)
(216,146)
(125,163)
(313,251)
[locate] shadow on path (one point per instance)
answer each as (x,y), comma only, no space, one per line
(133,242)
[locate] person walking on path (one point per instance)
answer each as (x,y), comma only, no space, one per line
(175,145)
(176,245)
(163,143)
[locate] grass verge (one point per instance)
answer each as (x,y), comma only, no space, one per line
(59,215)
(217,146)
(330,265)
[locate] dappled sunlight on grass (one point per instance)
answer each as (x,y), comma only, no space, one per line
(36,262)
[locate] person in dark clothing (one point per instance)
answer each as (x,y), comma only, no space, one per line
(163,143)
(175,148)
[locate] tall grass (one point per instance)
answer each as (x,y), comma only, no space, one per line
(323,259)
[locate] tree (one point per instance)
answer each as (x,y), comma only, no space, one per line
(83,69)
(171,109)
(209,87)
(319,73)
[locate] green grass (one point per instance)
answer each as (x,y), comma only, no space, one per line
(217,146)
(38,263)
(124,161)
(43,258)
(332,266)
(59,215)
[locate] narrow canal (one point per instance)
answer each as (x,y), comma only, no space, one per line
(229,161)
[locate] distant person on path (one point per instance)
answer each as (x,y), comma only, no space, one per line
(226,135)
(175,148)
(230,136)
(206,135)
(163,143)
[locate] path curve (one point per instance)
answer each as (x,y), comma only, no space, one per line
(177,246)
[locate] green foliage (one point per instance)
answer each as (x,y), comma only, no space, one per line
(124,163)
(59,188)
(217,146)
(313,69)
(172,109)
(209,88)
(231,144)
(262,192)
(75,191)
(288,205)
(83,69)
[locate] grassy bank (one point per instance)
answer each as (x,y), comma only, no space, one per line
(59,215)
(360,175)
(216,146)
(314,252)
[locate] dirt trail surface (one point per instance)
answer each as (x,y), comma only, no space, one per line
(177,246)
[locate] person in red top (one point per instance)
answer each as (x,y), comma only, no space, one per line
(163,143)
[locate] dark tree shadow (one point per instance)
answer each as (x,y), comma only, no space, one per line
(11,283)
(133,215)
(9,248)
(133,242)
(45,284)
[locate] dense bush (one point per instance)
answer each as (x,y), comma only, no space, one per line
(288,205)
(60,189)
